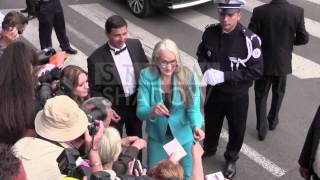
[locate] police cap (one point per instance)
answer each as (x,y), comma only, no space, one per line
(229,6)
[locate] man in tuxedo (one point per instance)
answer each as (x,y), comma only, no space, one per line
(113,72)
(280,25)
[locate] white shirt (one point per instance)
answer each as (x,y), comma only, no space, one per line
(316,163)
(1,19)
(125,68)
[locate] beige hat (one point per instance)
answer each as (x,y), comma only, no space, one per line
(61,120)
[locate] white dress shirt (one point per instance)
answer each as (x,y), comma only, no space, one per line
(125,68)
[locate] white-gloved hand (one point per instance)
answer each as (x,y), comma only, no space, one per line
(213,77)
(208,77)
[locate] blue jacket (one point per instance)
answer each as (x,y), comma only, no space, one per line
(181,119)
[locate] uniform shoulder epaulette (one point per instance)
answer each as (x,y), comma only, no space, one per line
(246,32)
(211,26)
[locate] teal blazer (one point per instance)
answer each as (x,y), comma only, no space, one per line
(181,119)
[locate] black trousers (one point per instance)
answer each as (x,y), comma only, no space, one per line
(132,123)
(261,88)
(235,108)
(130,120)
(31,7)
(51,16)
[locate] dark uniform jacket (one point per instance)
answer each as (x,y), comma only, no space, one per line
(280,25)
(103,76)
(237,54)
(309,150)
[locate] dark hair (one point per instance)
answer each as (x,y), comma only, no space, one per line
(13,19)
(17,91)
(10,164)
(69,79)
(114,21)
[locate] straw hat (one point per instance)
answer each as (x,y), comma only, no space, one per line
(61,120)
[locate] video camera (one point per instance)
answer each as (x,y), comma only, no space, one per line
(45,88)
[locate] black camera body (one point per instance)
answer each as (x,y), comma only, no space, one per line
(93,115)
(67,161)
(67,166)
(44,88)
(44,55)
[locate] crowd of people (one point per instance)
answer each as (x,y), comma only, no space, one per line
(81,115)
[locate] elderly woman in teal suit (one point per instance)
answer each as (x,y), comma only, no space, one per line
(169,102)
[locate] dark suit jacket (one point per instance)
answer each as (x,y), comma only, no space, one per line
(103,76)
(309,149)
(280,25)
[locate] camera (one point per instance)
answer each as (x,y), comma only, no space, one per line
(45,54)
(67,166)
(67,161)
(45,90)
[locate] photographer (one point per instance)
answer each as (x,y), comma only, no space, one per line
(61,124)
(73,82)
(13,26)
(70,81)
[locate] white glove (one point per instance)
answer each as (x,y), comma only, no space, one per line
(213,77)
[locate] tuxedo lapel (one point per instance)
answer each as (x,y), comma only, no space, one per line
(135,61)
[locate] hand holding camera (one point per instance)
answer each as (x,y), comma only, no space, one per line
(92,141)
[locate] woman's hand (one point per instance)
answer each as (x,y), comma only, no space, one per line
(174,157)
(197,150)
(159,110)
(198,134)
(127,141)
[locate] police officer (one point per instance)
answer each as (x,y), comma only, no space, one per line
(51,16)
(230,58)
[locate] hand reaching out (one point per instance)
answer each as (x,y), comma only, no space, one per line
(159,110)
(198,134)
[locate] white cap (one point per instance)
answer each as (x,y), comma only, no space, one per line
(230,6)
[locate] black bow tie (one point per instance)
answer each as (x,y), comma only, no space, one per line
(119,51)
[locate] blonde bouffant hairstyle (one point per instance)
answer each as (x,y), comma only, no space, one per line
(110,145)
(182,73)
